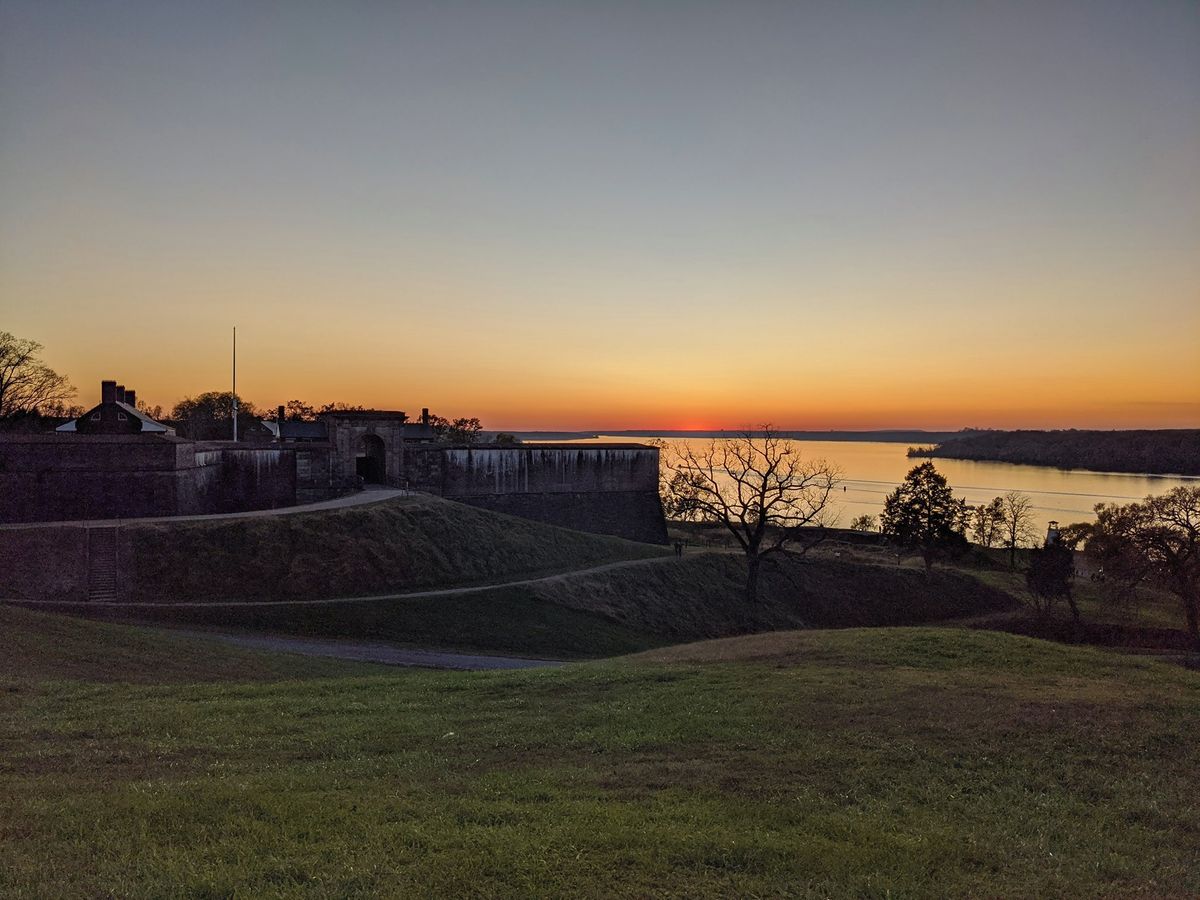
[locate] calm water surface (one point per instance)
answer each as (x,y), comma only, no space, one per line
(870,471)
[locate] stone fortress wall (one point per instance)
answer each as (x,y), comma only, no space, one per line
(49,478)
(609,489)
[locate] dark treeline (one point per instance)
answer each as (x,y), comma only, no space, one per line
(895,436)
(1166,452)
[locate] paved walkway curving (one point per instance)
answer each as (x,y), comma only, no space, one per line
(370,494)
(412,595)
(375,653)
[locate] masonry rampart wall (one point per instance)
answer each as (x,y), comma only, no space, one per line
(609,489)
(48,478)
(602,489)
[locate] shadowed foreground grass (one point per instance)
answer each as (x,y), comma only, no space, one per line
(886,762)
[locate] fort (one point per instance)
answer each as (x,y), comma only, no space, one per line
(113,462)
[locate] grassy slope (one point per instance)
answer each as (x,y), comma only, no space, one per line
(701,596)
(902,762)
(629,609)
(395,546)
(1151,619)
(37,646)
(501,621)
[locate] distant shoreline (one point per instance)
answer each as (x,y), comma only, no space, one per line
(1155,452)
(1161,452)
(890,436)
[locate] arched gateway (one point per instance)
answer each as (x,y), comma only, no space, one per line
(367,444)
(370,462)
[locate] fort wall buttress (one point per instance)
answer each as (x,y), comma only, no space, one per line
(605,490)
(634,515)
(47,478)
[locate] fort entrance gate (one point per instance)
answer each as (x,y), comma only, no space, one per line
(367,444)
(371,460)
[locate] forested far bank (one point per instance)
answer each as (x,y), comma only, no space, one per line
(1161,452)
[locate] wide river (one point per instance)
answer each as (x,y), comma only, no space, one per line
(871,470)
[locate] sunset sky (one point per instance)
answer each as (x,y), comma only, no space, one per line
(614,215)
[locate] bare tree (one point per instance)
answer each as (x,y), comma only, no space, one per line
(758,487)
(986,521)
(1016,523)
(865,523)
(26,383)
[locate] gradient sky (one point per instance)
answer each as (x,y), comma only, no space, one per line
(605,214)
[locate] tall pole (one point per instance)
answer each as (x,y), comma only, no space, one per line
(235,404)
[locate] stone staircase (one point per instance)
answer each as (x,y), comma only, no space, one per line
(102,564)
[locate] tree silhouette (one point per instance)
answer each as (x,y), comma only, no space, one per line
(1050,576)
(462,430)
(28,385)
(1016,523)
(922,515)
(1155,541)
(209,416)
(758,487)
(986,521)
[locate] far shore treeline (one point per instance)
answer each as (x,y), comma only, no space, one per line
(1159,452)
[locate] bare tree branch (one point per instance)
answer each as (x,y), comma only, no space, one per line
(757,486)
(26,383)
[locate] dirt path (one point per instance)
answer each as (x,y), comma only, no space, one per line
(372,652)
(412,595)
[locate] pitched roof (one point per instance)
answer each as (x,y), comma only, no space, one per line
(149,426)
(298,431)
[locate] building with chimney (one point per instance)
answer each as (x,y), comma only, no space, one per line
(117,413)
(115,462)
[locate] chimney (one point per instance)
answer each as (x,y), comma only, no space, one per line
(108,392)
(279,421)
(131,397)
(425,415)
(120,393)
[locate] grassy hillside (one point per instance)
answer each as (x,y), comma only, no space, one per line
(898,762)
(512,621)
(702,595)
(624,610)
(37,646)
(400,545)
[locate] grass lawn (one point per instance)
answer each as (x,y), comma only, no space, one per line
(399,545)
(616,611)
(501,621)
(904,762)
(393,546)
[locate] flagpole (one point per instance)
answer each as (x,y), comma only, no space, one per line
(235,403)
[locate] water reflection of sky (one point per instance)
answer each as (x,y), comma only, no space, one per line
(871,470)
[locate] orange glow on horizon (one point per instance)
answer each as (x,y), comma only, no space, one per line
(524,395)
(579,217)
